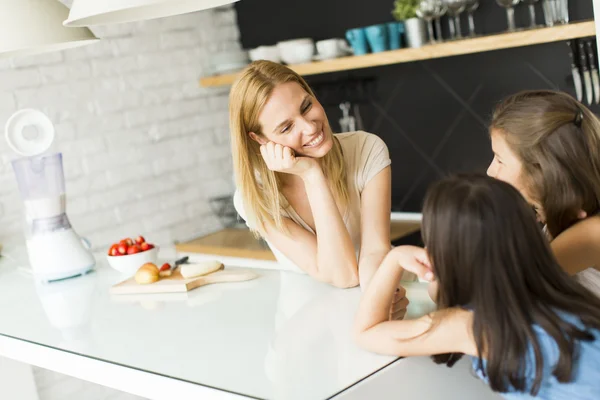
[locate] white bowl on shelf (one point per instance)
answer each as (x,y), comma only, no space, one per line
(130,263)
(296,41)
(297,51)
(269,53)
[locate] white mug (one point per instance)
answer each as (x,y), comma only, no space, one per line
(270,53)
(333,48)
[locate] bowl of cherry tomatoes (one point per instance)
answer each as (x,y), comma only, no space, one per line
(128,255)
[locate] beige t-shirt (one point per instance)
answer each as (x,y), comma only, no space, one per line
(365,156)
(590,278)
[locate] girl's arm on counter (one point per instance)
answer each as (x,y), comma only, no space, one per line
(445,331)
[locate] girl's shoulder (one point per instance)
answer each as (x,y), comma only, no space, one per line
(591,225)
(587,229)
(585,232)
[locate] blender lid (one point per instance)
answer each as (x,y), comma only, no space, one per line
(29,132)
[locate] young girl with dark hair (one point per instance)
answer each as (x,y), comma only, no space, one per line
(503,299)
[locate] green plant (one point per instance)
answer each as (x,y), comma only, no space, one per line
(405,9)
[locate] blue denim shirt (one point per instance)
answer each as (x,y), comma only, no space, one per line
(586,371)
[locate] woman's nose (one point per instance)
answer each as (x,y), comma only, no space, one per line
(309,127)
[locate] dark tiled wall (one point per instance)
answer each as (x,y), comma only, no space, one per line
(433,115)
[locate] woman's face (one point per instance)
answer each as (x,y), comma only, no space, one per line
(293,118)
(506,166)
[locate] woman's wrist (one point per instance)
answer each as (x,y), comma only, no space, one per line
(312,174)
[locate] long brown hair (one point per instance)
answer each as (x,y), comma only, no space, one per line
(557,139)
(489,255)
(260,187)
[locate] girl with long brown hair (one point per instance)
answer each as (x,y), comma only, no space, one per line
(547,145)
(321,200)
(503,299)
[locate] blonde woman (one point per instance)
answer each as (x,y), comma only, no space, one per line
(321,200)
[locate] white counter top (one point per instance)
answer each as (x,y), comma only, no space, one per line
(281,336)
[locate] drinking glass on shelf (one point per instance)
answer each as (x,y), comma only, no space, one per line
(556,12)
(563,6)
(454,9)
(531,4)
(510,11)
(427,11)
(440,11)
(471,6)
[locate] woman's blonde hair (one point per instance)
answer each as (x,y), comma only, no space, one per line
(260,187)
(557,139)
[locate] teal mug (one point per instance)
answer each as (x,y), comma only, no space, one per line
(378,37)
(358,41)
(395,32)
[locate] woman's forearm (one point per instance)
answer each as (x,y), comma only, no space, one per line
(336,256)
(368,265)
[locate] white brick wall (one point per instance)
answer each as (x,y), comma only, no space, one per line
(144,146)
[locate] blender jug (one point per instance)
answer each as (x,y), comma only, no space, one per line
(55,251)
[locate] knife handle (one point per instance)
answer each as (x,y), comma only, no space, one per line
(582,56)
(183,260)
(591,54)
(571,54)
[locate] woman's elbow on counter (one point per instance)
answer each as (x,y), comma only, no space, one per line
(346,282)
(338,276)
(341,281)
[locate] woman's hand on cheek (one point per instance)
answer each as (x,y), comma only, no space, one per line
(282,159)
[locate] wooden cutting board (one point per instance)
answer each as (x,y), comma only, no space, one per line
(178,284)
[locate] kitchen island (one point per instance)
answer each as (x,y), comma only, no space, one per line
(281,336)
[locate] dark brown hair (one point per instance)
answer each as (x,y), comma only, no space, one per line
(490,256)
(557,139)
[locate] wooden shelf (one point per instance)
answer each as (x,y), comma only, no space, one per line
(454,48)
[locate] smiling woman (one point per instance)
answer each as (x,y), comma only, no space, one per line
(321,200)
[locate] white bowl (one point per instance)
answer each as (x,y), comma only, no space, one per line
(269,53)
(296,52)
(130,263)
(296,41)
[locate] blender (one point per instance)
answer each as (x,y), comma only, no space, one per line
(55,250)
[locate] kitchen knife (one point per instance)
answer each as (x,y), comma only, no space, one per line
(575,71)
(587,77)
(177,263)
(591,53)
